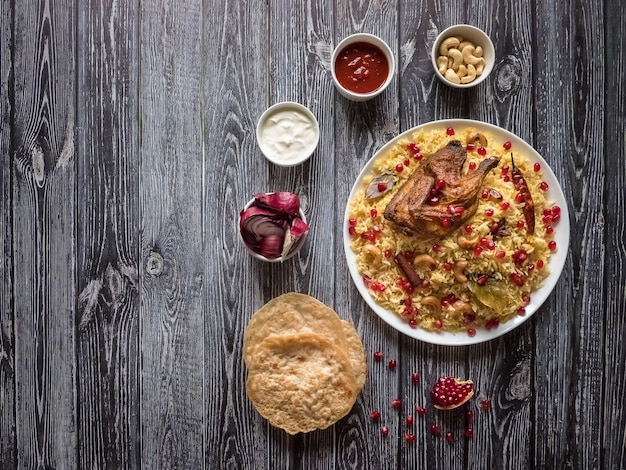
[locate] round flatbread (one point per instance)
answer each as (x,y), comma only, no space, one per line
(289,314)
(301,382)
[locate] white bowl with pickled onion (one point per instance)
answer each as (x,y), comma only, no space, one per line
(287,133)
(273,227)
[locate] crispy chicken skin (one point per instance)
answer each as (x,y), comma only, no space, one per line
(413,212)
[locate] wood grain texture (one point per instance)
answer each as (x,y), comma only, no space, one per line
(171,190)
(108,235)
(127,137)
(613,223)
(43,205)
(7,338)
(570,342)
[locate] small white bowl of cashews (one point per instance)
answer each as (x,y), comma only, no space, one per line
(463,56)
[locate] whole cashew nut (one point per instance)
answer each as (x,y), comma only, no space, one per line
(462,307)
(470,76)
(457,58)
(447,44)
(467,243)
(432,301)
(475,136)
(468,55)
(424,259)
(442,64)
(452,76)
(480,67)
(459,267)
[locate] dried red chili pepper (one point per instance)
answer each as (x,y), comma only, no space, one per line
(522,187)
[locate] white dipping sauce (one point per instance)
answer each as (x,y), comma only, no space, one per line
(287,134)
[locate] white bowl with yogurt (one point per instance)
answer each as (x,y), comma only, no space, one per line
(287,133)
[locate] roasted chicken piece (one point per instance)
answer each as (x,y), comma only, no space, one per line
(437,199)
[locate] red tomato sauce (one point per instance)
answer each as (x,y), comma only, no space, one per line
(361,67)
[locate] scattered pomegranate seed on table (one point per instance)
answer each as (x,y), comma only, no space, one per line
(396,403)
(469,432)
(384,431)
(415,378)
(449,437)
(409,420)
(420,410)
(410,438)
(375,415)
(392,364)
(485,405)
(435,430)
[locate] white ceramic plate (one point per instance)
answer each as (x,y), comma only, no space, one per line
(556,263)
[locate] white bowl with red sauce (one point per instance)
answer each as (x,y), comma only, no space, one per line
(362,66)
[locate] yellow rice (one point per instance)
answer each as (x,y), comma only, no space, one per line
(375,259)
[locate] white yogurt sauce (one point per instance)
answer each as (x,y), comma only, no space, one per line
(288,136)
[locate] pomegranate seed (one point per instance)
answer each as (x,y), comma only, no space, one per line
(506,178)
(492,324)
(543,186)
(409,438)
(445,222)
(407,162)
(367,280)
(375,415)
(530,267)
(413,323)
(507,145)
(373,213)
(482,280)
(549,229)
(435,430)
(485,405)
(468,229)
(396,403)
(472,165)
(521,311)
(436,248)
(489,212)
(505,169)
(478,250)
(352,222)
(552,245)
(500,254)
(519,198)
(556,210)
(392,364)
(450,131)
(438,324)
(440,184)
(482,151)
(415,377)
(425,283)
(556,217)
(448,266)
(484,194)
(413,148)
(469,147)
(536,167)
(384,431)
(409,420)
(399,167)
(351,231)
(547,219)
(449,437)
(505,206)
(520,224)
(387,253)
(378,355)
(540,264)
(526,299)
(382,187)
(420,410)
(469,432)
(517,279)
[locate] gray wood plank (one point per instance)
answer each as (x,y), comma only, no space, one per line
(171,312)
(43,188)
(108,235)
(568,366)
(613,224)
(235,48)
(7,339)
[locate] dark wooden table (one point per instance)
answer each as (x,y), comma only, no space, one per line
(128,147)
